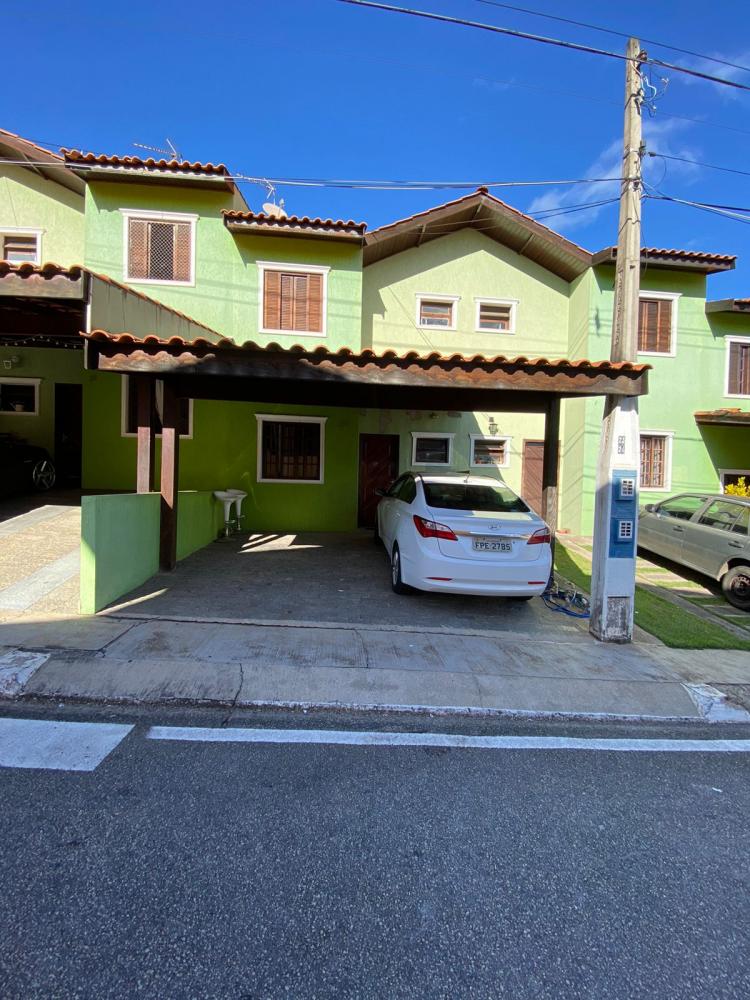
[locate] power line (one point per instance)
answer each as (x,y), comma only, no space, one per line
(544,39)
(698,163)
(611,31)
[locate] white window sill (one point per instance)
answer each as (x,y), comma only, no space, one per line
(293,333)
(159,281)
(657,354)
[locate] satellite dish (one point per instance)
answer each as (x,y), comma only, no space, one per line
(277,211)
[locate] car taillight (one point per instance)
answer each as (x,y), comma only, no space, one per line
(432,529)
(540,537)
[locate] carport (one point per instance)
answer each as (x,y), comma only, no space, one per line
(224,371)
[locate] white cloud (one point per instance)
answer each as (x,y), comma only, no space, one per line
(714,69)
(660,137)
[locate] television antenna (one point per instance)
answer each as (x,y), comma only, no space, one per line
(172,152)
(270,207)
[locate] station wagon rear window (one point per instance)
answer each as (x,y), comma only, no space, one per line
(497,499)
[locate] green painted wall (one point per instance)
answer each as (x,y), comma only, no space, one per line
(470,265)
(30,201)
(119,546)
(199,520)
(226,290)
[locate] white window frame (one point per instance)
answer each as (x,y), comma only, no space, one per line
(124,432)
(728,341)
(36,382)
(669,435)
(732,472)
(151,216)
(24,231)
(421,297)
(261,418)
(481,300)
(674,298)
(432,434)
(473,438)
(269,265)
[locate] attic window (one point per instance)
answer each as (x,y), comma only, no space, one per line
(160,248)
(495,315)
(437,311)
(20,248)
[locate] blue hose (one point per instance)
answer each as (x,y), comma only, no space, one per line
(567,602)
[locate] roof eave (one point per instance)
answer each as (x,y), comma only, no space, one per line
(737,306)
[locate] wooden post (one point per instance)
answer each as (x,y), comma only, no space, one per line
(170,469)
(550,466)
(146,433)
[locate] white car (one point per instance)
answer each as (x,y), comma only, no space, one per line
(463,534)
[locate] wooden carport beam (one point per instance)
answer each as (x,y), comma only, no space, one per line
(145,433)
(550,466)
(170,470)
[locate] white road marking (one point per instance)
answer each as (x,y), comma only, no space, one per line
(32,588)
(345,738)
(57,746)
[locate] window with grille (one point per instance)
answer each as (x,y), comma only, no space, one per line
(489,451)
(437,312)
(431,449)
(655,325)
(159,250)
(130,415)
(738,369)
(495,316)
(654,456)
(293,301)
(290,450)
(20,248)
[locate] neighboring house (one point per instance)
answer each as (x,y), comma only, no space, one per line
(471,277)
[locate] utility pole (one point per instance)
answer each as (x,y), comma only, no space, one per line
(616,509)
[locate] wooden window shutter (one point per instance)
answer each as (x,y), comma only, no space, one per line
(655,325)
(137,248)
(287,302)
(271,300)
(299,283)
(739,369)
(315,303)
(182,255)
(653,455)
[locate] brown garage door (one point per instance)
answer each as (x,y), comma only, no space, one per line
(531,478)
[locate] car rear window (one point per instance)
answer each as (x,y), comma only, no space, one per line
(463,496)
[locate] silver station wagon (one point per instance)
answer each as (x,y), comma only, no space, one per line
(705,532)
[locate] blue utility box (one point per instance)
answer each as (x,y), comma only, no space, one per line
(624,514)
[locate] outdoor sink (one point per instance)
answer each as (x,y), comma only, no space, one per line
(229,497)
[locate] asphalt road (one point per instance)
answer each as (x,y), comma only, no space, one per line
(257,872)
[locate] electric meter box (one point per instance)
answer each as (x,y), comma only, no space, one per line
(623,520)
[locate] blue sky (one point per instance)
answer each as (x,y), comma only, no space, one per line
(314,88)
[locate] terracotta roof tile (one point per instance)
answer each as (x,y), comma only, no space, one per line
(74,157)
(49,270)
(322,351)
(294,221)
(728,415)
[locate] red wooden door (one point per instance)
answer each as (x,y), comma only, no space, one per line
(531,477)
(378,467)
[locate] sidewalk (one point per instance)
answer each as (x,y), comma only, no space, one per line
(232,663)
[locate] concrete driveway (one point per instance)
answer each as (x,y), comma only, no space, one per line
(40,539)
(338,578)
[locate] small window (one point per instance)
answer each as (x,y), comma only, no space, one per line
(495,316)
(490,451)
(432,449)
(130,408)
(655,325)
(681,508)
(721,514)
(738,368)
(159,250)
(438,312)
(19,248)
(293,301)
(655,459)
(290,449)
(19,395)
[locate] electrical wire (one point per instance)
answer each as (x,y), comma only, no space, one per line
(612,31)
(544,39)
(699,163)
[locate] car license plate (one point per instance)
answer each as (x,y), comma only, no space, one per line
(490,545)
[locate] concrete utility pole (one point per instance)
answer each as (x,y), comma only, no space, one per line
(616,510)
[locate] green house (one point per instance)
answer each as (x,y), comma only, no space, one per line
(170,251)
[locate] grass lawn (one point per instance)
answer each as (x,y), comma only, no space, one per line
(675,626)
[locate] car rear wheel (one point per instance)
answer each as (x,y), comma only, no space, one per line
(399,587)
(736,587)
(43,475)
